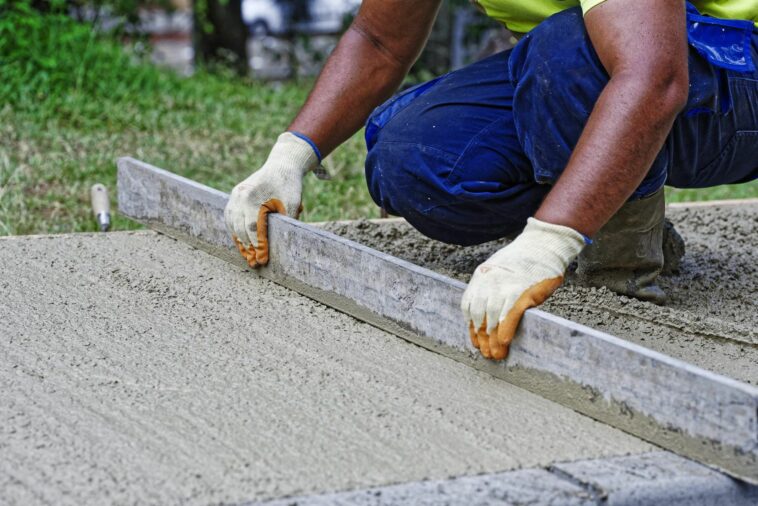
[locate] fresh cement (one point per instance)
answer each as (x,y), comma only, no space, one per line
(711,319)
(139,370)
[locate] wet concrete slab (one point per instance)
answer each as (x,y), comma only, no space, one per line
(142,370)
(711,319)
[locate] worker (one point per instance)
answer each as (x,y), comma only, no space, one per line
(566,140)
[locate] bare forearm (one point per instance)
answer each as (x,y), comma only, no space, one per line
(624,134)
(643,47)
(368,65)
(356,78)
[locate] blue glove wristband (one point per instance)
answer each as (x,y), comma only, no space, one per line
(309,141)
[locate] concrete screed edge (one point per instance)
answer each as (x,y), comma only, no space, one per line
(651,478)
(704,416)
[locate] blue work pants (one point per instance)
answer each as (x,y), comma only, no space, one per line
(467,157)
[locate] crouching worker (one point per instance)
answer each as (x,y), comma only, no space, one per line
(566,140)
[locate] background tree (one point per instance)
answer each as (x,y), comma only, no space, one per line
(219,34)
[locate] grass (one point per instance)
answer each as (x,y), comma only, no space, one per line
(725,192)
(217,137)
(71,104)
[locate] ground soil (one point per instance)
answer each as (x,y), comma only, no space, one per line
(711,319)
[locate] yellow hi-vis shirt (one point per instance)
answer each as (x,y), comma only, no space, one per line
(521,16)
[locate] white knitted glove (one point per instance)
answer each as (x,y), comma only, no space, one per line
(276,187)
(521,275)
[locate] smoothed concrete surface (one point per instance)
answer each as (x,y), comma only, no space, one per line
(137,369)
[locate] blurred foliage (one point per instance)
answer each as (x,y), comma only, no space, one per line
(125,13)
(220,35)
(72,101)
(476,30)
(49,58)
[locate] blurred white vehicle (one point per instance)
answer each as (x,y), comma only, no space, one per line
(263,17)
(277,17)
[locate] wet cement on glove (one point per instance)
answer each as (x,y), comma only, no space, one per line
(711,319)
(138,370)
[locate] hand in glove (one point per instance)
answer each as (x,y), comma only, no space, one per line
(276,188)
(521,275)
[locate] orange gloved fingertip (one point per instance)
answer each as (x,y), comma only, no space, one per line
(472,334)
(499,353)
(507,330)
(270,206)
(497,347)
(484,339)
(484,346)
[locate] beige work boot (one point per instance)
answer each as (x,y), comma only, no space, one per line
(628,253)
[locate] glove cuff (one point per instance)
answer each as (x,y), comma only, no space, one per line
(293,152)
(563,242)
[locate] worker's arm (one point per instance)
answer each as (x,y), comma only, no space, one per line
(366,67)
(643,46)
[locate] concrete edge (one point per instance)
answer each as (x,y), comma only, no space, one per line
(349,222)
(75,234)
(649,478)
(656,478)
(712,203)
(705,416)
(672,205)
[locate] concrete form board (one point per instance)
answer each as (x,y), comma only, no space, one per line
(636,480)
(691,411)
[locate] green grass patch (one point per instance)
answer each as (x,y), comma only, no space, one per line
(71,103)
(725,192)
(47,168)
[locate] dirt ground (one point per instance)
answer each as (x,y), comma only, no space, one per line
(711,319)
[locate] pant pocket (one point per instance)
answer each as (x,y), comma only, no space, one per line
(388,110)
(736,163)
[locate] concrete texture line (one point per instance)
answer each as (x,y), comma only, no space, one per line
(655,478)
(530,486)
(597,494)
(138,370)
(658,478)
(702,415)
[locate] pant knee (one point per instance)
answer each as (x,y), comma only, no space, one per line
(383,115)
(408,180)
(452,166)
